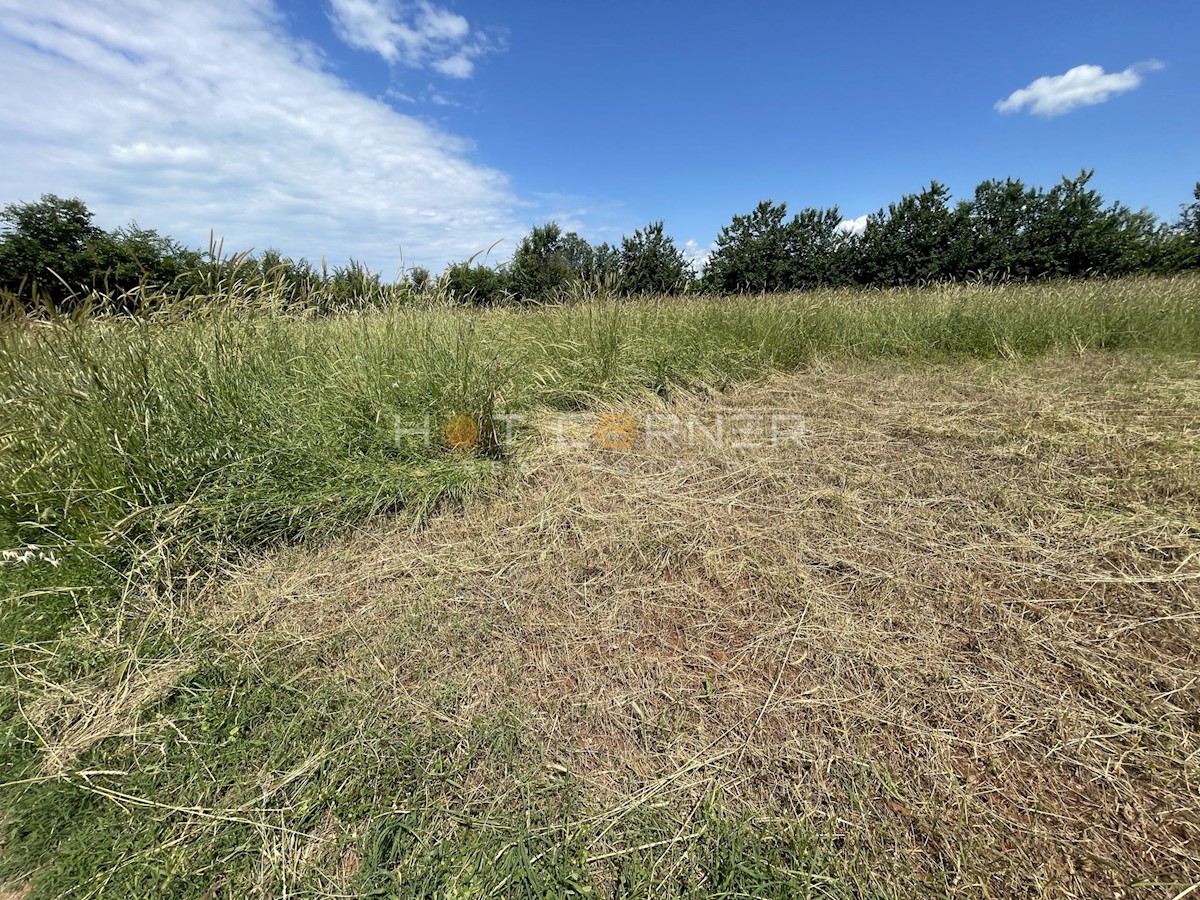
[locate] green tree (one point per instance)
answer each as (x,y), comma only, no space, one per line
(1189,214)
(1181,248)
(134,259)
(650,263)
(351,285)
(765,251)
(1074,235)
(418,278)
(47,248)
(298,281)
(819,250)
(912,242)
(606,265)
(992,230)
(52,249)
(479,285)
(752,252)
(548,260)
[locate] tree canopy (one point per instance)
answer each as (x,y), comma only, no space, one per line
(52,253)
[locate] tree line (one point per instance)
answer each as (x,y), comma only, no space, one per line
(52,255)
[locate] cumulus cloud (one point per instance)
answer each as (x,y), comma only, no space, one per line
(209,115)
(419,35)
(696,256)
(1053,95)
(854,226)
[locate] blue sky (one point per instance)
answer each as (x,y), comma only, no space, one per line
(375,128)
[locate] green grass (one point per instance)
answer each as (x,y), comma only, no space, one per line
(256,794)
(242,430)
(141,453)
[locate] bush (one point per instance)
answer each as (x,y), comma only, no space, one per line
(650,263)
(547,262)
(479,285)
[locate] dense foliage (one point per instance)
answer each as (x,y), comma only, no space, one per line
(52,249)
(1005,231)
(52,255)
(764,251)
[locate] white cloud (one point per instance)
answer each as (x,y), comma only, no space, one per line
(455,67)
(418,35)
(208,115)
(1053,95)
(854,226)
(697,257)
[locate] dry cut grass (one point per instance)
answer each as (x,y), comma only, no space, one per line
(69,718)
(955,628)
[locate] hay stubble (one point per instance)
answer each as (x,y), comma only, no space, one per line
(955,628)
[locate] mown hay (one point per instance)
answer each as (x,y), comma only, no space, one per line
(955,626)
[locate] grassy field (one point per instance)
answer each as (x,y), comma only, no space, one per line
(867,594)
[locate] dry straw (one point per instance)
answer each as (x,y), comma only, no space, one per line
(955,627)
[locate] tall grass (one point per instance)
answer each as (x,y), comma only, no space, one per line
(242,427)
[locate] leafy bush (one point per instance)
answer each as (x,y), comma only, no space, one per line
(547,261)
(650,263)
(479,285)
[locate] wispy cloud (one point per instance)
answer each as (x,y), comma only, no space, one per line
(209,115)
(1053,95)
(593,218)
(419,35)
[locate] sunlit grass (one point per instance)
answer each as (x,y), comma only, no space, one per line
(147,456)
(243,428)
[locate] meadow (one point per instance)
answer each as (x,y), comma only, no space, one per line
(269,632)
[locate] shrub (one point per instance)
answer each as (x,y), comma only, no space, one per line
(479,285)
(547,261)
(650,263)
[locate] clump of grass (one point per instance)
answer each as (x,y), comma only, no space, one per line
(232,432)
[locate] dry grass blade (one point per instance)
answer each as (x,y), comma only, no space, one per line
(68,718)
